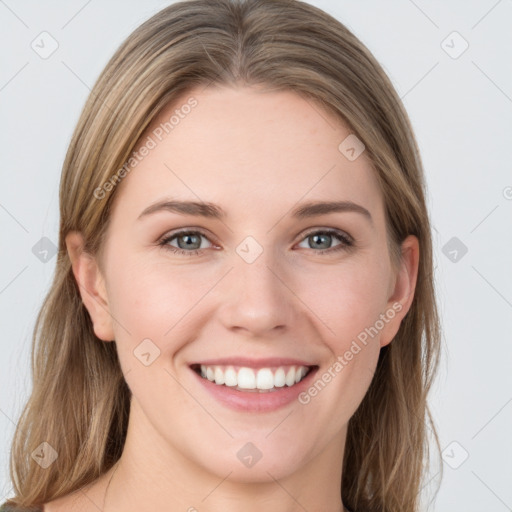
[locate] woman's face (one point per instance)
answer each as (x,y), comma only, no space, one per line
(260,279)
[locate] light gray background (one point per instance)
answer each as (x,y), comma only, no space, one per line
(461,110)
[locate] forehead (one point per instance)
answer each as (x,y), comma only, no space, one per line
(246,146)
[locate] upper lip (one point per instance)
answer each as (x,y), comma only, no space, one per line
(253,363)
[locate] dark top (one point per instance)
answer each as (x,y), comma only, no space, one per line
(12,508)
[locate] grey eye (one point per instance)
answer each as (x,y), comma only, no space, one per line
(323,240)
(191,240)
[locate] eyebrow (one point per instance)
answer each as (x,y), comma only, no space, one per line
(213,211)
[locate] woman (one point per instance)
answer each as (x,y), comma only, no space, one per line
(243,313)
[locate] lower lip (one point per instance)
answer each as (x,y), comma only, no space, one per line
(252,401)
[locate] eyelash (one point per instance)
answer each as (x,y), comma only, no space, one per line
(346,241)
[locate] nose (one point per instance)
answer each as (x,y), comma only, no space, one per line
(257,298)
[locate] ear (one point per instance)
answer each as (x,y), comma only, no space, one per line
(401,290)
(91,285)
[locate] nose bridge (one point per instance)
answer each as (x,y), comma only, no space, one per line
(257,300)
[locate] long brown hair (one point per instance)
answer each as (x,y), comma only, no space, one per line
(80,401)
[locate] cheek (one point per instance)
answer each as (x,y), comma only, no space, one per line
(159,300)
(152,300)
(347,304)
(346,298)
(154,308)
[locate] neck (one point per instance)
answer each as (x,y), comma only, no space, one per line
(152,474)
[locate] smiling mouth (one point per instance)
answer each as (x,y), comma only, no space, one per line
(261,380)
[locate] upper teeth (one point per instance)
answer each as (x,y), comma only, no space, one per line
(248,378)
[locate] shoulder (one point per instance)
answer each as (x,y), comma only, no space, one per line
(6,507)
(64,504)
(80,500)
(59,505)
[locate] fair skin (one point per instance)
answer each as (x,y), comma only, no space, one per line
(258,156)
